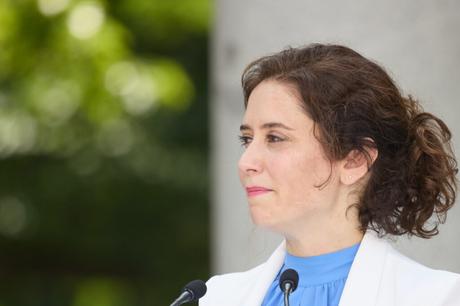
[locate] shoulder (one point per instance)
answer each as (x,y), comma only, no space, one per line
(381,275)
(233,279)
(247,287)
(411,269)
(409,276)
(230,287)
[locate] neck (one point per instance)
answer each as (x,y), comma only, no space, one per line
(324,236)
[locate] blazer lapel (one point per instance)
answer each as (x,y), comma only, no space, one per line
(363,282)
(265,277)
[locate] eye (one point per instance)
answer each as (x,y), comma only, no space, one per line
(274,138)
(245,140)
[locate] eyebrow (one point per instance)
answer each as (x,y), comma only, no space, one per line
(269,125)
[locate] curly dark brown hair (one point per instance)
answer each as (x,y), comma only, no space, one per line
(356,105)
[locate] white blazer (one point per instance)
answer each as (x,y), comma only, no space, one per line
(379,276)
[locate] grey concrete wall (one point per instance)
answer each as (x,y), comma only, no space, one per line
(417,42)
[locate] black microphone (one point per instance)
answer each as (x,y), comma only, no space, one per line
(289,280)
(192,292)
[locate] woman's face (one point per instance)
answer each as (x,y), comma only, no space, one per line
(283,161)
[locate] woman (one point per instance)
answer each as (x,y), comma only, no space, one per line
(335,159)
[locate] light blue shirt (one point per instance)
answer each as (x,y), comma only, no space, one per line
(321,279)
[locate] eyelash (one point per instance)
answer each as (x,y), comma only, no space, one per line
(245,140)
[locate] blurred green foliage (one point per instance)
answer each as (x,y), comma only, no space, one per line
(103,150)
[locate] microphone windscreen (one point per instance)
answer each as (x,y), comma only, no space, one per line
(197,288)
(289,276)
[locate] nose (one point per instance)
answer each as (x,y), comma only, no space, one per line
(251,161)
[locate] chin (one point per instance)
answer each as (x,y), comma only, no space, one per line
(262,218)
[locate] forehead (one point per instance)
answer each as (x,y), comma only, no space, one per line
(275,101)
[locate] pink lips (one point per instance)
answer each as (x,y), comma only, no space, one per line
(256,190)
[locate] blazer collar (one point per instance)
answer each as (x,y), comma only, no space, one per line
(362,285)
(363,282)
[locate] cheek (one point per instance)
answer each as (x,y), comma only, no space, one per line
(302,168)
(297,175)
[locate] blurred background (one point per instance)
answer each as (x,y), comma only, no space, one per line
(118,134)
(103,150)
